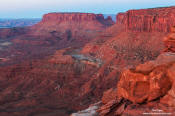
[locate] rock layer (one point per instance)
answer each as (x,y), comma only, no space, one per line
(169,41)
(58,17)
(148,20)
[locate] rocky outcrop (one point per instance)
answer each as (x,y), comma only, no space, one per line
(169,41)
(109,95)
(145,84)
(148,88)
(149,85)
(148,20)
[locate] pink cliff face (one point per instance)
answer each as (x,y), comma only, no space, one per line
(149,20)
(59,17)
(68,17)
(169,41)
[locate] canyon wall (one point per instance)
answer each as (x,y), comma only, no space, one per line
(71,16)
(148,20)
(78,17)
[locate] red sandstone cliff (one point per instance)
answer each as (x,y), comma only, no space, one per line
(146,89)
(149,20)
(74,22)
(58,17)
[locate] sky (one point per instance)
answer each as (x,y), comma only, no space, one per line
(36,8)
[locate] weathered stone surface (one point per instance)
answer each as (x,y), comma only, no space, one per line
(109,95)
(106,108)
(148,20)
(150,88)
(72,17)
(143,86)
(169,41)
(169,99)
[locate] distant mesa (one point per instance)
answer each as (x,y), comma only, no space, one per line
(60,17)
(10,23)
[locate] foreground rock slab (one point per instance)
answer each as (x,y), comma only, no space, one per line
(147,89)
